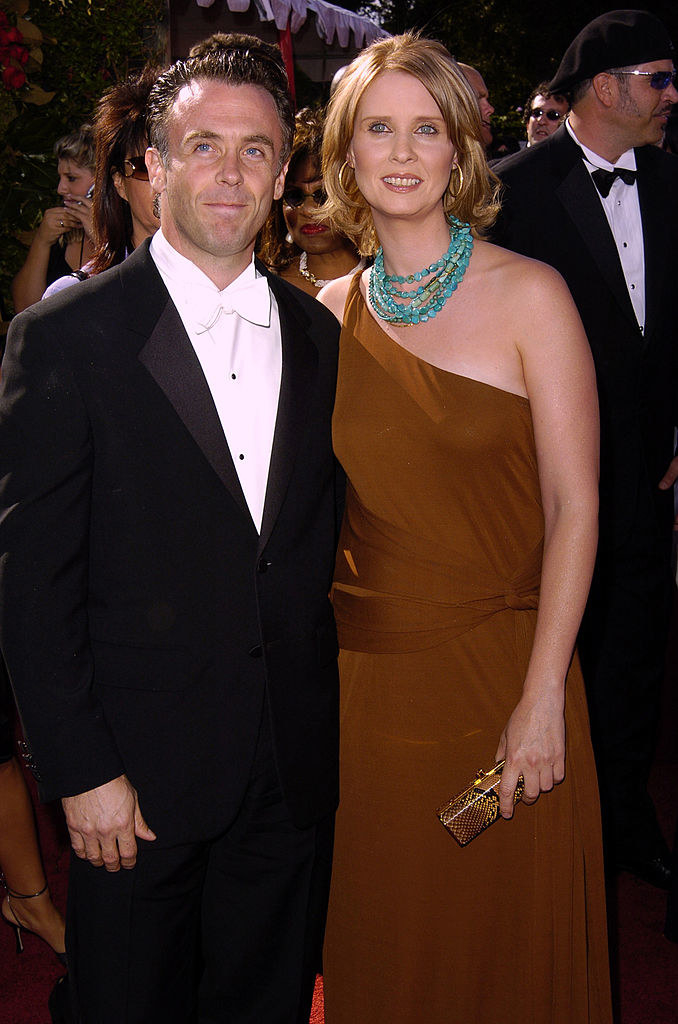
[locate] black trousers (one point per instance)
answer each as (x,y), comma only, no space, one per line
(228,930)
(622,645)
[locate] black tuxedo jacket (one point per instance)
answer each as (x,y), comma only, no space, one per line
(142,616)
(551,211)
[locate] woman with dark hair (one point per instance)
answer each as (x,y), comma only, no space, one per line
(466,420)
(123,212)
(123,209)
(294,241)
(64,239)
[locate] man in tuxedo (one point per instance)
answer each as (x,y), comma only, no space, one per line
(170,509)
(599,202)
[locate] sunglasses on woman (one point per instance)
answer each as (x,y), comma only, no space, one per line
(658,79)
(295,196)
(135,167)
(553,115)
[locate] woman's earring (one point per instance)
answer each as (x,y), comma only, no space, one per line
(288,238)
(461,181)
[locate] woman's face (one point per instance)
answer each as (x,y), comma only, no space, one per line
(400,150)
(311,235)
(74,180)
(136,190)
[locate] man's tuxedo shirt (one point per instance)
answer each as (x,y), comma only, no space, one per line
(143,618)
(235,333)
(551,211)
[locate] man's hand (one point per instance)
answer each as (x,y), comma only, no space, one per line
(668,480)
(104,822)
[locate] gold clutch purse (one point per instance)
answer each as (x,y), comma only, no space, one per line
(476,808)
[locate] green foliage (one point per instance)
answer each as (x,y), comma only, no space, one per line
(78,48)
(99,43)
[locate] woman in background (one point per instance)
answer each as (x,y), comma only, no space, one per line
(467,424)
(64,239)
(123,211)
(294,242)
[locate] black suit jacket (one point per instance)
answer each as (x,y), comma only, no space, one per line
(142,617)
(551,212)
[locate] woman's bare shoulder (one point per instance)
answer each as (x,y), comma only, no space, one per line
(518,272)
(334,295)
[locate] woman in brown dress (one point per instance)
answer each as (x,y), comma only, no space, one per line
(466,420)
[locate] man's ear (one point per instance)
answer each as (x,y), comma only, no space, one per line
(606,88)
(156,169)
(279,184)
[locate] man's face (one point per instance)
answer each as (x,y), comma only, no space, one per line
(475,80)
(221,175)
(539,125)
(641,112)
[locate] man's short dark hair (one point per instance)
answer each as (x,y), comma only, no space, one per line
(236,60)
(542,90)
(579,90)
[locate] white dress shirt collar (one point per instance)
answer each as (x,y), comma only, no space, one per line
(197,298)
(627,159)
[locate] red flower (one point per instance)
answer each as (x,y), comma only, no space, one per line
(19,53)
(12,35)
(13,78)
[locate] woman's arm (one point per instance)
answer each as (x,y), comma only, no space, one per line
(560,383)
(30,282)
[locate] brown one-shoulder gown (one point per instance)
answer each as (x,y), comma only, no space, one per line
(436,591)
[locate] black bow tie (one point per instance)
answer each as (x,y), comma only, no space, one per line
(603,179)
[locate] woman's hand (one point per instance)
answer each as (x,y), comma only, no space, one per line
(55,222)
(533,745)
(80,207)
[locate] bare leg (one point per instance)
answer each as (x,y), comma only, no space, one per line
(21,862)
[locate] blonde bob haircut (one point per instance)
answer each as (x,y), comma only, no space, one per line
(475,203)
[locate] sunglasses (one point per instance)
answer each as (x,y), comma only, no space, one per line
(659,80)
(295,196)
(135,167)
(553,115)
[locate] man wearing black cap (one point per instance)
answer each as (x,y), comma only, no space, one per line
(599,202)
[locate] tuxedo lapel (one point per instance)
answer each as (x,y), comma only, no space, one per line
(656,241)
(299,368)
(579,197)
(170,358)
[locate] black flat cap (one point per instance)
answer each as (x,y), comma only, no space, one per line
(613,40)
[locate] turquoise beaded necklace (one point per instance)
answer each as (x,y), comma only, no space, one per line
(405,308)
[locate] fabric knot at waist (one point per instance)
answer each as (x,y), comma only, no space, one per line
(396,593)
(520,602)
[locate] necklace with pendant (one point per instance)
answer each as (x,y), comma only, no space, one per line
(315,281)
(415,306)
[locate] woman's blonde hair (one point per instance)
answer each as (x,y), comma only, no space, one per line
(430,63)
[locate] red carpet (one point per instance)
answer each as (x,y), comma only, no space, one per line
(645,964)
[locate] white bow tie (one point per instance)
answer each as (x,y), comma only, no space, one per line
(251,301)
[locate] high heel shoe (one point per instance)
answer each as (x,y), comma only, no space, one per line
(16,923)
